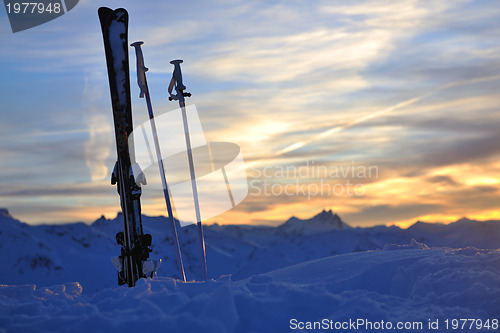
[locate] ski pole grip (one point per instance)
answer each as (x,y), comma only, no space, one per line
(178,73)
(137,44)
(138,53)
(141,69)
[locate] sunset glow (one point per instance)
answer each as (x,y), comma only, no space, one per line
(309,92)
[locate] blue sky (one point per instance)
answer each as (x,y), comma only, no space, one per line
(410,87)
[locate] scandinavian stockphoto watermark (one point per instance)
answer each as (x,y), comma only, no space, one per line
(312,179)
(219,169)
(221,176)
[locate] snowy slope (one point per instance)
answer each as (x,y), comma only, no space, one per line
(410,285)
(54,254)
(461,233)
(58,278)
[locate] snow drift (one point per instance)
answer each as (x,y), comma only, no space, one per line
(58,278)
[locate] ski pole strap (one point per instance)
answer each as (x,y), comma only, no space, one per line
(170,89)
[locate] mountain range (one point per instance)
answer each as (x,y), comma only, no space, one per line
(52,254)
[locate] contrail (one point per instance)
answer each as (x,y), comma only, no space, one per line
(380,113)
(66,132)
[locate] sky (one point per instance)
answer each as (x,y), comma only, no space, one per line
(384,112)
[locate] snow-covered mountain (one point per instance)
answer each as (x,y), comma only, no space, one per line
(54,254)
(58,278)
(323,222)
(357,291)
(462,233)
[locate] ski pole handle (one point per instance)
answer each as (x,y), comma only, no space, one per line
(178,74)
(176,82)
(141,69)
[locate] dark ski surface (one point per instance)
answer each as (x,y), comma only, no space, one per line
(135,245)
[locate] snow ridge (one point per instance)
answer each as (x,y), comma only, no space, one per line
(53,254)
(328,270)
(324,221)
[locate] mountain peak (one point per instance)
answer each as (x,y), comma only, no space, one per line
(4,212)
(328,218)
(322,222)
(325,214)
(464,220)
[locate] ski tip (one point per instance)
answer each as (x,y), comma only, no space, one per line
(121,15)
(178,61)
(104,11)
(104,14)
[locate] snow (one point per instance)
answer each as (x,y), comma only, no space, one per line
(117,38)
(395,277)
(462,233)
(413,245)
(394,286)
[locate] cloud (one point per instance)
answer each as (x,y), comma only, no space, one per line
(381,214)
(64,190)
(400,85)
(100,141)
(442,179)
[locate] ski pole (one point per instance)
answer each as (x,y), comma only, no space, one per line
(143,85)
(179,87)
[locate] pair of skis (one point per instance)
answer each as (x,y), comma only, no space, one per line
(133,262)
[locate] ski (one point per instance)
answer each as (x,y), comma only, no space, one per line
(132,263)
